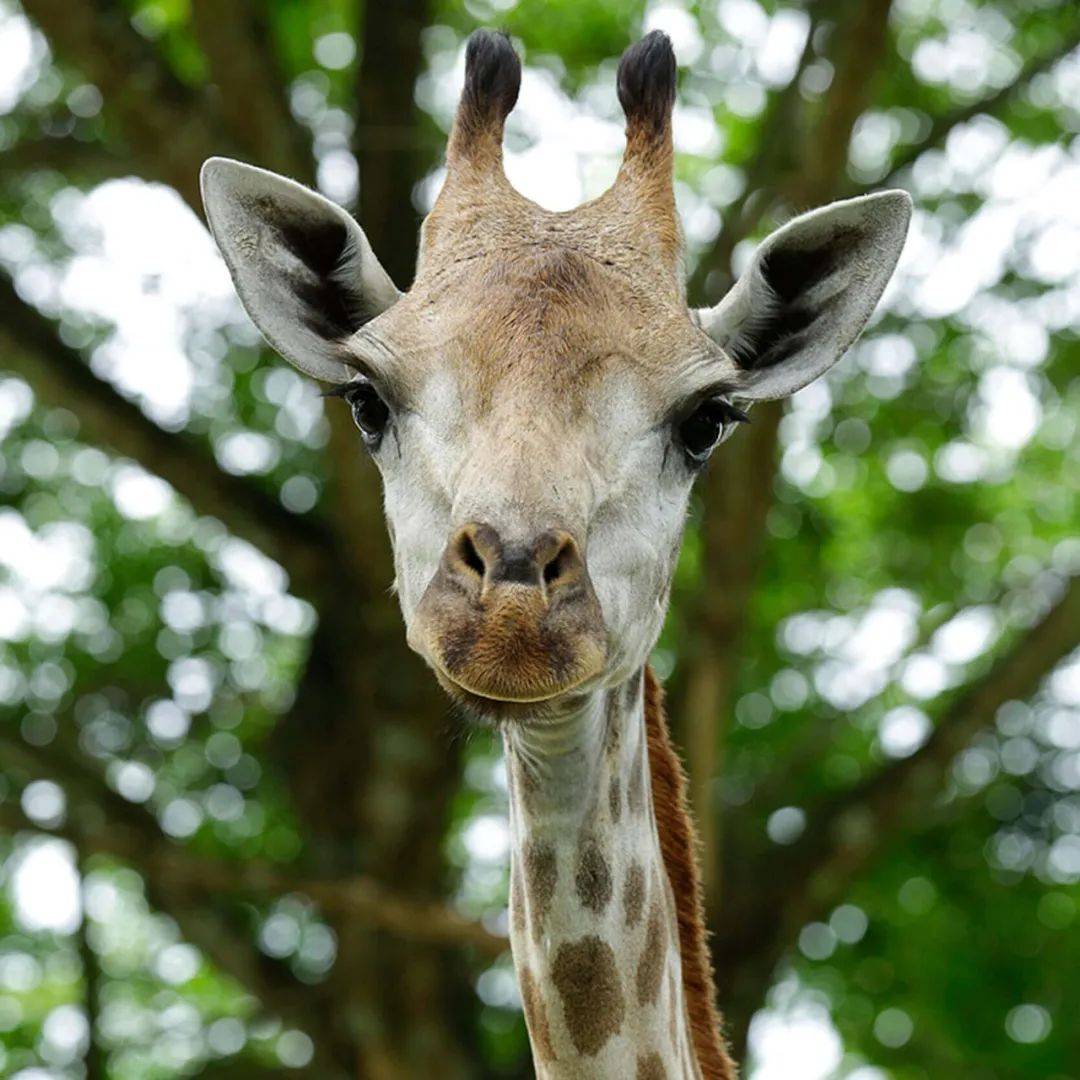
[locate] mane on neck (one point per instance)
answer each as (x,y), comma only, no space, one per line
(678,842)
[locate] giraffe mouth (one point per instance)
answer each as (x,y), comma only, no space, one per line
(497,675)
(504,706)
(509,698)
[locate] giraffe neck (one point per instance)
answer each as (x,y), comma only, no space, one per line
(595,927)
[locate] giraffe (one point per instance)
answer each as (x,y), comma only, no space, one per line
(539,403)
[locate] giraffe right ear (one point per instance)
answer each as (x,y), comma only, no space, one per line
(808,292)
(303,269)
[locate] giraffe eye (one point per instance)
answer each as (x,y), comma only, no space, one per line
(370,413)
(700,430)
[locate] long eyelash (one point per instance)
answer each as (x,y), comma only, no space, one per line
(733,412)
(343,388)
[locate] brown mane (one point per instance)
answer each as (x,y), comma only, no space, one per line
(678,841)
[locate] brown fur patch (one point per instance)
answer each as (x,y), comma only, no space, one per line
(536,1017)
(611,720)
(634,893)
(650,969)
(635,787)
(458,644)
(586,978)
(517,900)
(541,876)
(650,1067)
(614,800)
(593,878)
(677,844)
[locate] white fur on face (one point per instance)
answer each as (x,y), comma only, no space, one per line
(636,523)
(609,474)
(420,461)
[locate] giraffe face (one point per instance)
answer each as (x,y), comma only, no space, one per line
(542,418)
(541,399)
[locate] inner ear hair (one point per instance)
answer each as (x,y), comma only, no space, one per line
(790,298)
(342,276)
(325,276)
(749,331)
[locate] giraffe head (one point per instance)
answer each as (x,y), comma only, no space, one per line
(542,398)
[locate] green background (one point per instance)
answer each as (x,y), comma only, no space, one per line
(289,848)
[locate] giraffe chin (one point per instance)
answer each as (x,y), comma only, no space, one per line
(497,708)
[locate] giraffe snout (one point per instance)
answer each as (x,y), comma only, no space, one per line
(479,560)
(511,621)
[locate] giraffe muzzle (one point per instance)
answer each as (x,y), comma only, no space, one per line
(511,623)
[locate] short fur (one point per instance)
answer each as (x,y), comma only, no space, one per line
(492,76)
(646,83)
(678,844)
(492,82)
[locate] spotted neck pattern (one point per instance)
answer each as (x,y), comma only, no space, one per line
(594,927)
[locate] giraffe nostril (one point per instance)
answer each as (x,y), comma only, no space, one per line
(469,557)
(471,553)
(551,572)
(564,565)
(477,558)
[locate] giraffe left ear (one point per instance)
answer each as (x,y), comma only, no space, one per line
(808,292)
(303,269)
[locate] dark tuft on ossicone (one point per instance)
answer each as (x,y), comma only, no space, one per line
(647,81)
(492,75)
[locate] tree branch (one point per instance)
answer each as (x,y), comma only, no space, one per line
(857,64)
(705,690)
(248,88)
(813,173)
(129,832)
(79,162)
(59,377)
(389,168)
(774,150)
(379,802)
(99,821)
(738,492)
(792,886)
(172,868)
(991,105)
(167,127)
(190,888)
(898,795)
(95,1058)
(778,176)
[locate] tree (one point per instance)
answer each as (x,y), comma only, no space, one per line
(288,847)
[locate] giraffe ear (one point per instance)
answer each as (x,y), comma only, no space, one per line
(303,269)
(808,292)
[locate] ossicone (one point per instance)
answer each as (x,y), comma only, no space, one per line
(643,194)
(646,84)
(492,75)
(492,82)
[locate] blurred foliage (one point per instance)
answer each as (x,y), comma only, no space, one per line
(923,516)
